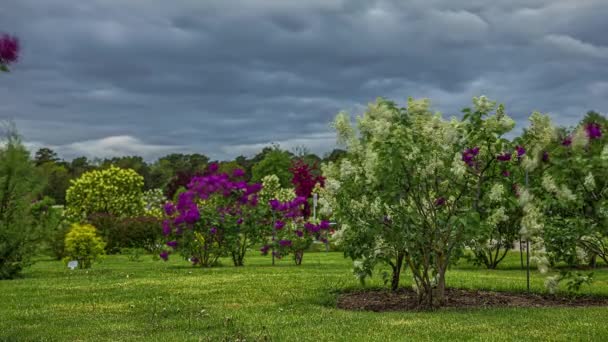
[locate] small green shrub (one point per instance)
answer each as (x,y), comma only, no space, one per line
(137,232)
(83,245)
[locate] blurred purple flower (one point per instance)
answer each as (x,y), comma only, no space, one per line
(9,49)
(594,130)
(278,225)
(238,173)
(166,227)
(264,249)
(545,156)
(439,201)
(284,243)
(169,208)
(504,157)
(164,255)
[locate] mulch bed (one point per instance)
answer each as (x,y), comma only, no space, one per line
(406,300)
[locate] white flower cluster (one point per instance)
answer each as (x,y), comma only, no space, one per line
(563,193)
(497,217)
(529,163)
(271,189)
(589,181)
(483,104)
(344,129)
(604,155)
(458,168)
(580,138)
(496,193)
(541,130)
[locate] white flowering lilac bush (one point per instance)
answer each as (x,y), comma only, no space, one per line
(573,189)
(412,190)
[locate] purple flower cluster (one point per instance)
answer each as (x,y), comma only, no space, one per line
(264,249)
(439,201)
(504,157)
(545,157)
(285,243)
(594,131)
(520,151)
(305,178)
(468,156)
(567,141)
(278,225)
(289,209)
(9,49)
(315,228)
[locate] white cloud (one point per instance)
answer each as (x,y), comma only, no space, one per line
(574,46)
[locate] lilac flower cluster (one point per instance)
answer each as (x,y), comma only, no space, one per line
(439,201)
(289,209)
(594,131)
(468,156)
(504,157)
(316,228)
(9,49)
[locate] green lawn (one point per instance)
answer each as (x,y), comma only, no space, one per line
(122,300)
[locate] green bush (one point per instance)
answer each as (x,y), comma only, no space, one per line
(19,186)
(113,191)
(51,225)
(138,232)
(83,245)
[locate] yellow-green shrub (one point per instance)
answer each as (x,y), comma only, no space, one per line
(83,245)
(112,191)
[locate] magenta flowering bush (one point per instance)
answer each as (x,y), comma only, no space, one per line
(9,51)
(292,233)
(217,215)
(305,178)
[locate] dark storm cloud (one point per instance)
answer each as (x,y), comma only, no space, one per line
(229,77)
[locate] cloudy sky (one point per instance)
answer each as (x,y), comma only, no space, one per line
(149,77)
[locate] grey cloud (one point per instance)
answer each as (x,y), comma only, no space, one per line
(228,77)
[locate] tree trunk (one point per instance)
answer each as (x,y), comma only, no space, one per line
(397,272)
(237,259)
(298,256)
(593,261)
(439,299)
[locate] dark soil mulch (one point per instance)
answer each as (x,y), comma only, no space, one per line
(406,299)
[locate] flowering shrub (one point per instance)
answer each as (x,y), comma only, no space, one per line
(154,200)
(9,51)
(83,245)
(292,233)
(405,190)
(218,214)
(574,193)
(305,178)
(113,191)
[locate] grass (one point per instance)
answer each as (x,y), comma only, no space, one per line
(122,300)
